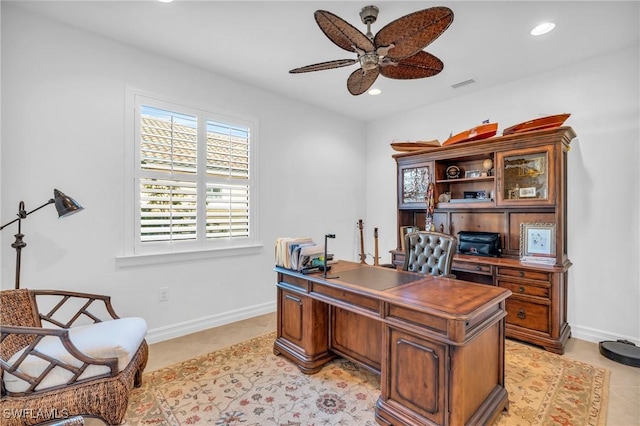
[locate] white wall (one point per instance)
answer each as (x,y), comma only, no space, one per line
(602,95)
(63,115)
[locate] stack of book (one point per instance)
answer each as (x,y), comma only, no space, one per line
(298,253)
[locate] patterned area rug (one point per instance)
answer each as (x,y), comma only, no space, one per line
(246,384)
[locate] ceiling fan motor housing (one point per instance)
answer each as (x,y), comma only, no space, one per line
(369,61)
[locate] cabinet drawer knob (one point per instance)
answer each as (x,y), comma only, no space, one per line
(521,274)
(521,314)
(521,289)
(478,268)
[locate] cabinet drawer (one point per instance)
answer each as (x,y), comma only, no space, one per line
(525,289)
(478,268)
(524,273)
(534,316)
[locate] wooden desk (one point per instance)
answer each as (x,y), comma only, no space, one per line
(437,343)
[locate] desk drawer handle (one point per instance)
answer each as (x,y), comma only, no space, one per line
(478,268)
(521,314)
(521,274)
(521,289)
(295,299)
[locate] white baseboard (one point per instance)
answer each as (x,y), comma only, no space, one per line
(182,329)
(595,335)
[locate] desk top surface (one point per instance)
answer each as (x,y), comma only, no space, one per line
(376,278)
(448,297)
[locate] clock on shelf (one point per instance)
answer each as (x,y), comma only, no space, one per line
(453,172)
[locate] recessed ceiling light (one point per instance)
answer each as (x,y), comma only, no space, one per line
(165,1)
(543,28)
(374,92)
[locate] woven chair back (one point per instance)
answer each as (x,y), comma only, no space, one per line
(17,308)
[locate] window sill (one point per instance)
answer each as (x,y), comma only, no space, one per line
(157,258)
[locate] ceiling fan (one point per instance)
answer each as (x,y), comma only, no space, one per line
(395,51)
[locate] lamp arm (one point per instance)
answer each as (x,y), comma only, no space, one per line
(22,214)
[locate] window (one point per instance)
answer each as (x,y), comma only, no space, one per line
(194,180)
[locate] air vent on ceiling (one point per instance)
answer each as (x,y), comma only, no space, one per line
(463,83)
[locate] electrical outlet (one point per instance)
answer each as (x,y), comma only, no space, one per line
(163,294)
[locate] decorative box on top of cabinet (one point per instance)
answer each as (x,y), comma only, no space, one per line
(526,184)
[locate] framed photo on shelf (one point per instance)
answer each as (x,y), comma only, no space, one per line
(472,174)
(537,240)
(527,192)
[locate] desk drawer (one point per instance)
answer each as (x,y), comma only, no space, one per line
(416,318)
(477,268)
(518,288)
(524,273)
(534,316)
(298,282)
(348,297)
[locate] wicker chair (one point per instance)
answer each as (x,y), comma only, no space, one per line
(98,358)
(429,253)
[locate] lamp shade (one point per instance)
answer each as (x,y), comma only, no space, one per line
(65,205)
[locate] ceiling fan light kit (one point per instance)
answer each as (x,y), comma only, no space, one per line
(396,51)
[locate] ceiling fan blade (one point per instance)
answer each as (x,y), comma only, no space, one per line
(412,33)
(324,66)
(420,65)
(359,81)
(342,33)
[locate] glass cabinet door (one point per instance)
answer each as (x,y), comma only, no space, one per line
(413,181)
(525,178)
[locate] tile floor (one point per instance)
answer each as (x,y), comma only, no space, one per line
(624,391)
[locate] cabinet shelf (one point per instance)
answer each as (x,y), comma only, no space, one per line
(466,204)
(462,180)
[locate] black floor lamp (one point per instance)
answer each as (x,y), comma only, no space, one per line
(64,205)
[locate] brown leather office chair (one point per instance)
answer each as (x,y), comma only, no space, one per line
(429,253)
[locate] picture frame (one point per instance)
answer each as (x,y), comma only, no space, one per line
(529,192)
(537,240)
(472,174)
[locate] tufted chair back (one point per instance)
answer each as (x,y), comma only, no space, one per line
(429,253)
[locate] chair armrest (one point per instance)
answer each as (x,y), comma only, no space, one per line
(66,356)
(78,303)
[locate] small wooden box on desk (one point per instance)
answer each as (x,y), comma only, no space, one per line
(527,184)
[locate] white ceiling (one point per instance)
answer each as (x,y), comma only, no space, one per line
(258,42)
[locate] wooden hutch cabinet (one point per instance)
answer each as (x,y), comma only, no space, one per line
(525,182)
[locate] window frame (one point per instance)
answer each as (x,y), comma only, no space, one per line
(164,250)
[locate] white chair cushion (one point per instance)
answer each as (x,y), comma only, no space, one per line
(118,338)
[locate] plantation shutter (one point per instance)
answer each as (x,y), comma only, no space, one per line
(228,181)
(175,186)
(168,210)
